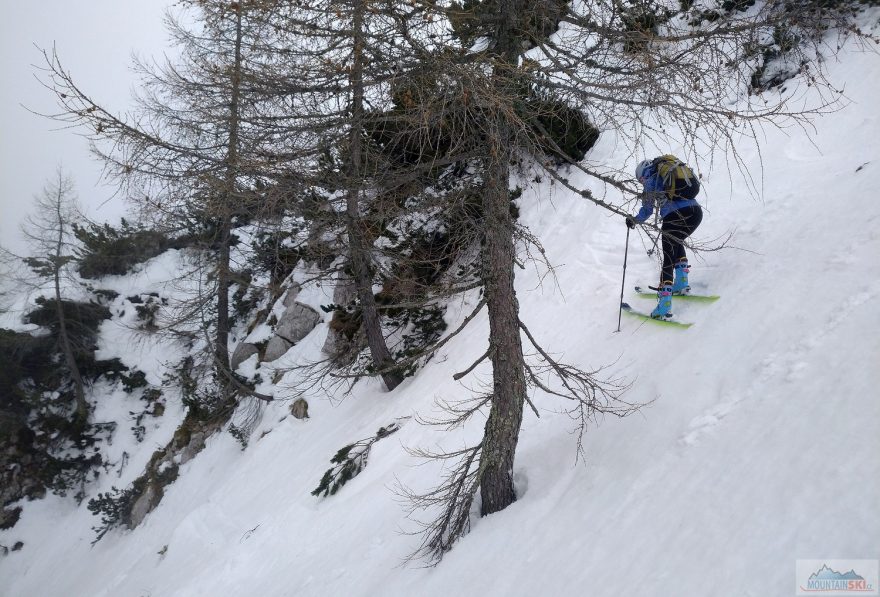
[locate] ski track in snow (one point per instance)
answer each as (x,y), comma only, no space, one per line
(791,364)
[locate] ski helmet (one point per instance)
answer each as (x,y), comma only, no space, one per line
(642,168)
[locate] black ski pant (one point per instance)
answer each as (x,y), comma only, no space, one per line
(677,226)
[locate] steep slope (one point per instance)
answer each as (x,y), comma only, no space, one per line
(759,446)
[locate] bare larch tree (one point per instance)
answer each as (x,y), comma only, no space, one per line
(49,233)
(188,154)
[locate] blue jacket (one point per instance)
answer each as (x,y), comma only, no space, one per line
(654,193)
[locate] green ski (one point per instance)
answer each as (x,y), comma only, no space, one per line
(697,298)
(644,316)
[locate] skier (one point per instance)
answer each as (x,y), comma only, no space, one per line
(670,186)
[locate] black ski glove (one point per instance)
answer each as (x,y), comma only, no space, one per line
(630,223)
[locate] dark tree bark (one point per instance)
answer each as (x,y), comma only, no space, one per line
(221,349)
(505,345)
(499,258)
(362,272)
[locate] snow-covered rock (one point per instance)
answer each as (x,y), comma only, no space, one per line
(243,352)
(290,295)
(298,320)
(275,349)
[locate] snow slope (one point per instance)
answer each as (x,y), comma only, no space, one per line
(760,447)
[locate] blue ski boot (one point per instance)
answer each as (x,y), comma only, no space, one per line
(681,286)
(664,301)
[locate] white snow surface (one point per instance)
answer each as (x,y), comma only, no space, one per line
(760,445)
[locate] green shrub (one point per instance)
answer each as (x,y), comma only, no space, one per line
(112,369)
(396,139)
(346,319)
(82,321)
(114,507)
(737,5)
(114,251)
(421,329)
(201,232)
(105,295)
(430,124)
(556,124)
(42,445)
(276,253)
(247,296)
(147,312)
(349,461)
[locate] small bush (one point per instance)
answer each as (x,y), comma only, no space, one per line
(557,124)
(105,295)
(155,407)
(276,253)
(112,369)
(247,296)
(421,328)
(147,313)
(25,357)
(114,251)
(349,461)
(9,517)
(202,232)
(113,507)
(81,319)
(42,446)
(137,379)
(346,320)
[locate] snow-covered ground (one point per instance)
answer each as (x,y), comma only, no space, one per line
(760,446)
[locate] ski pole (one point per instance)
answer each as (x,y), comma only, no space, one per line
(623,281)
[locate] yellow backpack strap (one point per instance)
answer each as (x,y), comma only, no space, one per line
(672,169)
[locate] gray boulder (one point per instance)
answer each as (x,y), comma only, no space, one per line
(291,294)
(276,348)
(297,321)
(300,408)
(144,504)
(196,444)
(243,352)
(337,345)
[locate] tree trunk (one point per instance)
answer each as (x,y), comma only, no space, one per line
(362,273)
(498,261)
(221,346)
(82,407)
(221,349)
(505,346)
